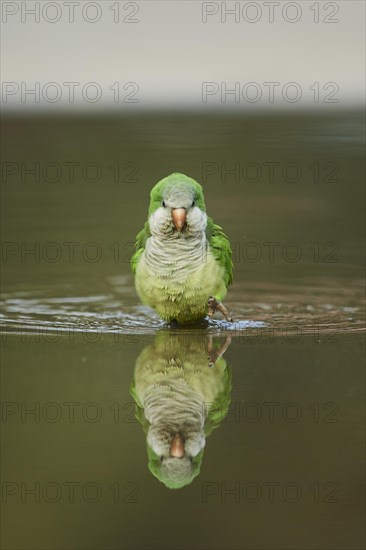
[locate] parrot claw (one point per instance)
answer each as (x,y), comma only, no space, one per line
(214,354)
(214,305)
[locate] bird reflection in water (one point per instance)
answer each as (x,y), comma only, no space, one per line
(182,389)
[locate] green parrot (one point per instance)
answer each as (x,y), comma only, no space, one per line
(182,261)
(182,389)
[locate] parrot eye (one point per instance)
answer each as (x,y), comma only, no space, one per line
(193,203)
(161,459)
(164,204)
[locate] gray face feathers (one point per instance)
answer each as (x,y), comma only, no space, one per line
(179,195)
(178,214)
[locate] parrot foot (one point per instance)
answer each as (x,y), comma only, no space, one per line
(214,305)
(214,354)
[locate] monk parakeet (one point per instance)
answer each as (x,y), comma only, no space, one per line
(182,389)
(182,261)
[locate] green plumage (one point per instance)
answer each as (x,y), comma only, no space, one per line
(221,249)
(185,298)
(140,242)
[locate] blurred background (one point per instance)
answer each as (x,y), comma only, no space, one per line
(262,103)
(170,48)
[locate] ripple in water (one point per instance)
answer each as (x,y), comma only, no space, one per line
(108,313)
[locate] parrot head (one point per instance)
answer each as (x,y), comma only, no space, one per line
(175,456)
(176,441)
(177,207)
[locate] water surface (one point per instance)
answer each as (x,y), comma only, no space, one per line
(282,466)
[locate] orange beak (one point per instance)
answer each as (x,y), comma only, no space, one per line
(177,447)
(179,216)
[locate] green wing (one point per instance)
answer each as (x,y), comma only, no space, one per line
(220,407)
(140,243)
(221,249)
